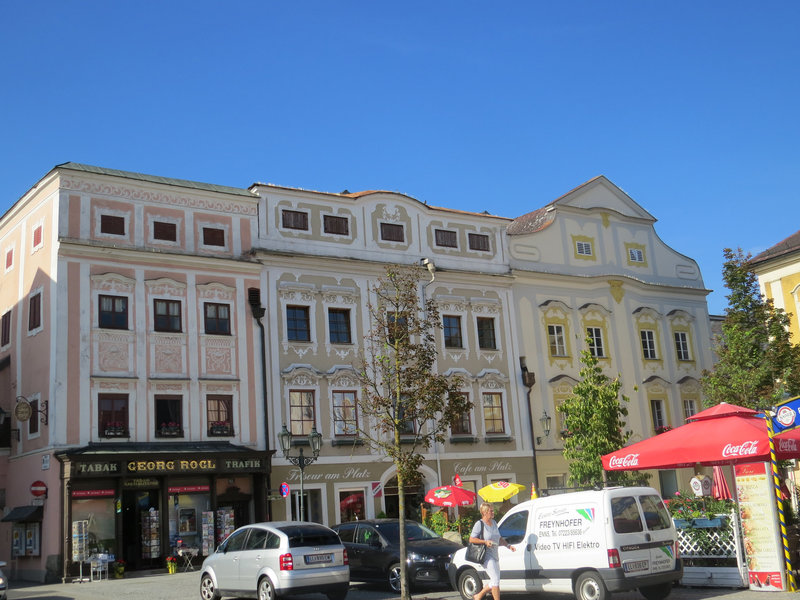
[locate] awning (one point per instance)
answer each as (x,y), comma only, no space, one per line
(24,514)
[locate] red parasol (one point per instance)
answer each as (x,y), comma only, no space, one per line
(722,435)
(450,495)
(719,487)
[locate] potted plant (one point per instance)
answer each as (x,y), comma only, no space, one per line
(172,565)
(220,428)
(170,429)
(119,569)
(115,429)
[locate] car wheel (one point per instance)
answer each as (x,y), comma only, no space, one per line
(590,586)
(469,583)
(393,577)
(207,589)
(266,591)
(657,592)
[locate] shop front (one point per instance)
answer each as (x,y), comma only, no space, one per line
(335,493)
(141,504)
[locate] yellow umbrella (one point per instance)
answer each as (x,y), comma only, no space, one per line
(499,491)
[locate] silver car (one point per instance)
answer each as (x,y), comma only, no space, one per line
(279,558)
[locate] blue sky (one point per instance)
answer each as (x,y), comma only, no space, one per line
(690,107)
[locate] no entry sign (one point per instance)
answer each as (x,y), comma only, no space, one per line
(38,488)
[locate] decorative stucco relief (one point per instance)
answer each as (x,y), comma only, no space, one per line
(130,193)
(113,283)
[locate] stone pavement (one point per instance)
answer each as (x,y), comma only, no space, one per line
(186,586)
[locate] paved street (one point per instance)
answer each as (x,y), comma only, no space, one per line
(185,586)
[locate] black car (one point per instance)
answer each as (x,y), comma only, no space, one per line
(373,547)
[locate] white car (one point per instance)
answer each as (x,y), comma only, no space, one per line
(3,582)
(279,558)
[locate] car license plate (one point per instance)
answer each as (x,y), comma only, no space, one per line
(313,559)
(635,565)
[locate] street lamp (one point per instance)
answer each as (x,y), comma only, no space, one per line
(301,460)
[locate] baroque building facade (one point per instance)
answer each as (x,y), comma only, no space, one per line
(157,335)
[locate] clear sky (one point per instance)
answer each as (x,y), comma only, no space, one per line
(692,108)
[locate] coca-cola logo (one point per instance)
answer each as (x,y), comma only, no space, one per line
(744,449)
(787,445)
(629,460)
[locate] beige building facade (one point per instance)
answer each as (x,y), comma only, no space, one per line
(159,333)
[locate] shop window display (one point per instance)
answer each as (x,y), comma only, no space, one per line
(191,519)
(99,515)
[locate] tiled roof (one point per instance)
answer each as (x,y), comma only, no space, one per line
(787,246)
(206,187)
(533,221)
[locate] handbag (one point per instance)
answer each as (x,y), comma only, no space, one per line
(476,552)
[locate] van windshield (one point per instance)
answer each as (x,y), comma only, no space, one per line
(655,513)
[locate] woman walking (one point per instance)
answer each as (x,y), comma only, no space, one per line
(491,539)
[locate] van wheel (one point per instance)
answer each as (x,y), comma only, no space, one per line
(590,586)
(469,583)
(657,592)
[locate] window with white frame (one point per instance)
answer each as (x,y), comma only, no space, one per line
(555,336)
(689,407)
(345,413)
(298,324)
(462,424)
(167,315)
(38,237)
(493,412)
(648,337)
(682,345)
(35,312)
(583,248)
(657,413)
(636,255)
(339,326)
(113,312)
(486,335)
(5,336)
(595,338)
(452,331)
(302,412)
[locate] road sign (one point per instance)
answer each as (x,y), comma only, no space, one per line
(38,488)
(284,489)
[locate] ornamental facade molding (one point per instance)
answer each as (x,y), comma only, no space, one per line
(158,197)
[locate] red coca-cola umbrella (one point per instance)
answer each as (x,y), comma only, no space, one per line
(450,495)
(722,435)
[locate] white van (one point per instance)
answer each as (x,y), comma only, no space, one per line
(585,543)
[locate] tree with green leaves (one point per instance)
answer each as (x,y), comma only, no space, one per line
(757,361)
(595,425)
(405,405)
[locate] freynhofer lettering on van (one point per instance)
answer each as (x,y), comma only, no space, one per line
(561,523)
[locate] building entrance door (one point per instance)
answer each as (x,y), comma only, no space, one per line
(141,529)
